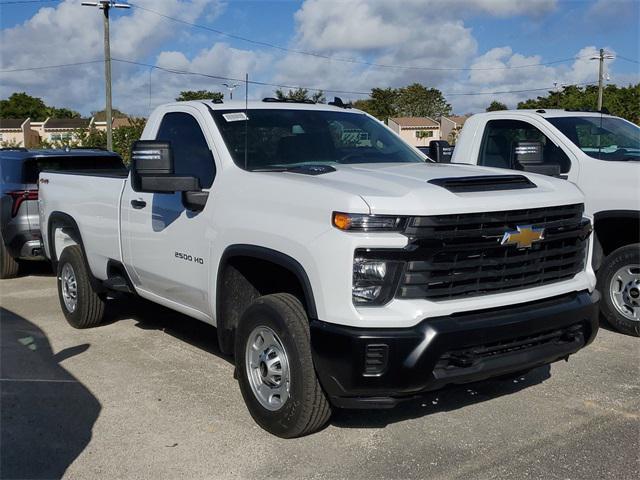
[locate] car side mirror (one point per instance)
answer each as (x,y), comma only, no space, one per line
(152,169)
(529,156)
(440,151)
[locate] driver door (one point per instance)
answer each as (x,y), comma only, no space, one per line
(164,243)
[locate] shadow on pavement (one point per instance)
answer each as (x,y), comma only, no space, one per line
(33,268)
(151,316)
(46,415)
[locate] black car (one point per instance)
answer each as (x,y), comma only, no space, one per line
(20,237)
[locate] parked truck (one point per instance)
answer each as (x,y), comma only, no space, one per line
(598,152)
(338,272)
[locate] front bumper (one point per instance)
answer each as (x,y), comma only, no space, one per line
(377,368)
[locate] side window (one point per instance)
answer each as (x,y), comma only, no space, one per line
(502,137)
(190,150)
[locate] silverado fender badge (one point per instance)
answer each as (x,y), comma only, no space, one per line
(523,237)
(44,180)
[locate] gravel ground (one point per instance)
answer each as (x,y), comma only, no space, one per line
(148,396)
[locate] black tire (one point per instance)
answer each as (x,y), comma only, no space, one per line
(8,265)
(307,409)
(89,309)
(629,255)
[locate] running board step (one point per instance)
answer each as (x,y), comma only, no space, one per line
(119,284)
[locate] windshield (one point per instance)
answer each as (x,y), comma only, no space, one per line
(282,139)
(604,138)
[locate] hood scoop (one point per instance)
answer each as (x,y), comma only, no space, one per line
(312,169)
(484,183)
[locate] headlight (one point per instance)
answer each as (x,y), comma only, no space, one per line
(369,270)
(374,280)
(359,222)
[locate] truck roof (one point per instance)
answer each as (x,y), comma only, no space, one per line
(548,113)
(256,105)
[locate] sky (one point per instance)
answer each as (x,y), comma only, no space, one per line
(469,49)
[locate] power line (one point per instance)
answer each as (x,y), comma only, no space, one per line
(24,2)
(267,84)
(341,59)
(28,69)
(294,87)
(232,79)
(449,94)
(627,59)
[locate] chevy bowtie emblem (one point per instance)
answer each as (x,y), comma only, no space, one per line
(523,237)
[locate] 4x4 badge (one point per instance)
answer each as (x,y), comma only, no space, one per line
(523,237)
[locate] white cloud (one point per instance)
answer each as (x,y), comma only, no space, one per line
(430,33)
(507,8)
(70,33)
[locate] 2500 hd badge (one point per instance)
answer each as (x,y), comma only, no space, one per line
(190,258)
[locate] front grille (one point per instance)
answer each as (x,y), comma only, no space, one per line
(457,256)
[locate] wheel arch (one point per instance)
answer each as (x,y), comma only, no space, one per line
(61,220)
(616,228)
(285,267)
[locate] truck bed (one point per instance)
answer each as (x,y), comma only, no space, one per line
(93,205)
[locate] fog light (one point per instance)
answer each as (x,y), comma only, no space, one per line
(366,294)
(369,270)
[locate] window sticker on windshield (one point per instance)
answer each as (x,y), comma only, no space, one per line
(235,117)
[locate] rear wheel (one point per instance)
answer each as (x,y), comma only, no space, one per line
(8,265)
(275,369)
(81,305)
(619,285)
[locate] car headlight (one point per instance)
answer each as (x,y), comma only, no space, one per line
(374,280)
(360,222)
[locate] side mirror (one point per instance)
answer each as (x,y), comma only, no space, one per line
(152,169)
(440,151)
(529,156)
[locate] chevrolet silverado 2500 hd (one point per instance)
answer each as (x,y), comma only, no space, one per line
(599,153)
(339,267)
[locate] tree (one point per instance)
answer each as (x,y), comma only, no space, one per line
(416,100)
(21,105)
(411,101)
(123,137)
(301,95)
(382,104)
(200,95)
(619,101)
(496,106)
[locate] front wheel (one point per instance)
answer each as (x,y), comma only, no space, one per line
(275,369)
(619,285)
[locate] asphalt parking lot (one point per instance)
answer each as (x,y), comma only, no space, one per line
(148,396)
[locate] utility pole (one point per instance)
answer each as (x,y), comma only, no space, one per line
(106,6)
(601,58)
(231,87)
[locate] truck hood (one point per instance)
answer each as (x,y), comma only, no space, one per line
(405,189)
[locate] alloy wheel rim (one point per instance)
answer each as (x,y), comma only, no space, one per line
(69,288)
(267,368)
(624,291)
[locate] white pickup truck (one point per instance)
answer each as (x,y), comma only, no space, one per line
(340,268)
(599,153)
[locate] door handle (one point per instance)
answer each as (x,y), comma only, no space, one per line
(138,204)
